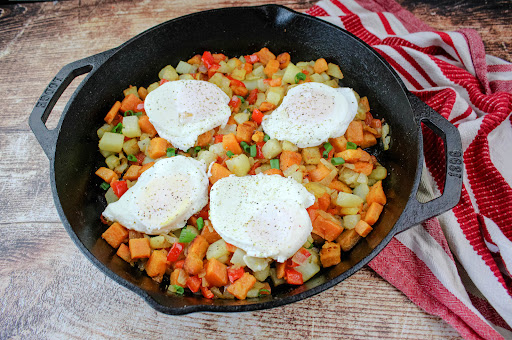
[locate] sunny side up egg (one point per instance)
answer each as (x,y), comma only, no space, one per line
(182,110)
(164,197)
(264,215)
(311,113)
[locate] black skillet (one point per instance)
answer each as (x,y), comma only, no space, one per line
(72,147)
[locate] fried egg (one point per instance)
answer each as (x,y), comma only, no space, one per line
(182,110)
(264,215)
(311,113)
(164,197)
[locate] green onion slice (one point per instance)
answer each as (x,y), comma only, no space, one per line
(253,151)
(245,146)
(263,292)
(132,158)
(351,145)
(242,99)
(200,223)
(266,138)
(230,154)
(118,128)
(274,163)
(197,148)
(187,235)
(176,289)
(337,161)
(171,152)
(328,147)
(299,76)
(104,186)
(128,113)
(138,114)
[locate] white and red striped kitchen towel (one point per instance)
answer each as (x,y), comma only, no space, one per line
(458,265)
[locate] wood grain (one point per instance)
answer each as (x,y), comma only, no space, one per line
(48,289)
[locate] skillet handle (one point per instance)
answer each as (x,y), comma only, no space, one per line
(415,211)
(44,106)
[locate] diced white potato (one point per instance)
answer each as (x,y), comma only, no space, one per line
(159,242)
(325,76)
(262,168)
(334,71)
(241,117)
(111,142)
(229,128)
(302,64)
(110,197)
(143,144)
(207,156)
(309,268)
(123,165)
(263,86)
(251,84)
(131,147)
(147,160)
(349,211)
(239,165)
(289,146)
(103,129)
(278,74)
(262,275)
(238,258)
(238,73)
(298,176)
(316,189)
(217,149)
(311,155)
(106,153)
(186,76)
(259,71)
(332,83)
(184,67)
(288,172)
(153,86)
(260,99)
(328,179)
(168,73)
(273,97)
(232,63)
(350,221)
(290,73)
(348,200)
(112,161)
(379,173)
(131,90)
(361,190)
(256,263)
(271,149)
(348,176)
(315,77)
(275,280)
(216,79)
(131,127)
(254,292)
(218,250)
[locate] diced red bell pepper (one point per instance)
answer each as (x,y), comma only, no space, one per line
(207,59)
(126,138)
(179,264)
(257,116)
(235,82)
(207,293)
(193,283)
(301,256)
(103,220)
(140,158)
(218,138)
(235,273)
(175,251)
(254,167)
(203,213)
(251,59)
(253,96)
(368,119)
(212,70)
(119,187)
(235,102)
(291,264)
(293,277)
(140,107)
(376,123)
(163,81)
(259,152)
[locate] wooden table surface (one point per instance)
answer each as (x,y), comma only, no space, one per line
(48,289)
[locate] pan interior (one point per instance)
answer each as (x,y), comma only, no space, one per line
(138,62)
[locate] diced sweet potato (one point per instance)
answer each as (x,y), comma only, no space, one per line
(113,112)
(368,140)
(195,59)
(240,90)
(272,67)
(353,156)
(265,55)
(284,60)
(157,263)
(376,194)
(280,267)
(348,239)
(320,66)
(339,144)
(218,171)
(273,172)
(216,273)
(146,126)
(340,186)
(363,167)
(326,226)
(124,252)
(205,138)
(179,277)
(330,254)
(354,132)
(230,143)
(157,148)
(319,173)
(373,213)
(266,106)
(145,167)
(196,251)
(241,287)
(130,102)
(245,130)
(115,235)
(288,158)
(363,228)
(132,173)
(139,248)
(106,174)
(324,201)
(209,233)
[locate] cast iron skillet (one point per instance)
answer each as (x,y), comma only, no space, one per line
(72,147)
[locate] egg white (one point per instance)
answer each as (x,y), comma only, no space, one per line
(264,215)
(182,110)
(164,197)
(311,113)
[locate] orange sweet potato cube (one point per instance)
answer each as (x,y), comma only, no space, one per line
(139,248)
(115,235)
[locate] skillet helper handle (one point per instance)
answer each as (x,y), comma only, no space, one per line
(418,212)
(47,138)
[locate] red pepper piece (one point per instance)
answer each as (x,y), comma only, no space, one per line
(251,59)
(254,167)
(163,81)
(193,283)
(207,59)
(119,187)
(253,96)
(235,82)
(291,264)
(179,264)
(203,213)
(368,119)
(207,293)
(257,116)
(235,273)
(218,138)
(140,107)
(259,153)
(175,251)
(376,123)
(212,70)
(301,256)
(293,277)
(235,102)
